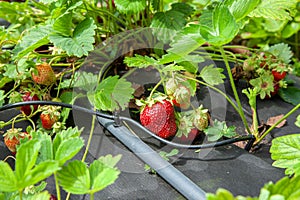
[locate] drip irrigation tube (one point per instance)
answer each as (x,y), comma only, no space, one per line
(118,119)
(167,171)
(113,123)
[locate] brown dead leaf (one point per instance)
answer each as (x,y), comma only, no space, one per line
(272,120)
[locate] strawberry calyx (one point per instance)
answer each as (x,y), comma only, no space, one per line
(14,132)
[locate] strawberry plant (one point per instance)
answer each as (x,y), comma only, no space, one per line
(50,51)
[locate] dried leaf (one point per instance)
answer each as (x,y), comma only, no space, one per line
(272,120)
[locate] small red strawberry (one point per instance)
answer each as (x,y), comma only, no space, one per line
(43,74)
(52,197)
(278,75)
(28,96)
(12,138)
(49,116)
(190,137)
(158,116)
(272,94)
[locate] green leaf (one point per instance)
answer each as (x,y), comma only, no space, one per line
(285,150)
(155,4)
(39,173)
(82,41)
(2,97)
(26,157)
(212,75)
(287,188)
(113,94)
(75,177)
(140,61)
(71,133)
(218,27)
(86,81)
(8,181)
(240,9)
(185,42)
(40,196)
(221,194)
(297,123)
(4,80)
(109,160)
(102,176)
(290,95)
(63,24)
(184,8)
(281,51)
(290,29)
(218,130)
(68,149)
(48,1)
(36,37)
(19,72)
(166,24)
(46,150)
(130,6)
(274,9)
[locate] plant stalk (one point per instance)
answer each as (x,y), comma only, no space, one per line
(236,96)
(57,187)
(275,124)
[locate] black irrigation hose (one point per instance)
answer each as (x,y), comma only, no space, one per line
(121,118)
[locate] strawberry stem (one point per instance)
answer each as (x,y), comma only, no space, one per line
(275,124)
(57,186)
(236,96)
(154,89)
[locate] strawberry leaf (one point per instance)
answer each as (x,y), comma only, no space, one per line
(113,94)
(290,95)
(281,51)
(297,123)
(109,160)
(36,37)
(8,181)
(240,9)
(86,81)
(285,150)
(75,177)
(80,43)
(212,75)
(275,9)
(165,24)
(221,194)
(68,149)
(2,97)
(26,157)
(46,150)
(218,130)
(140,61)
(130,6)
(219,26)
(102,176)
(187,41)
(285,188)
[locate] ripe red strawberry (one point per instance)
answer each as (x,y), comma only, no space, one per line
(278,75)
(12,138)
(159,117)
(28,108)
(44,74)
(49,116)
